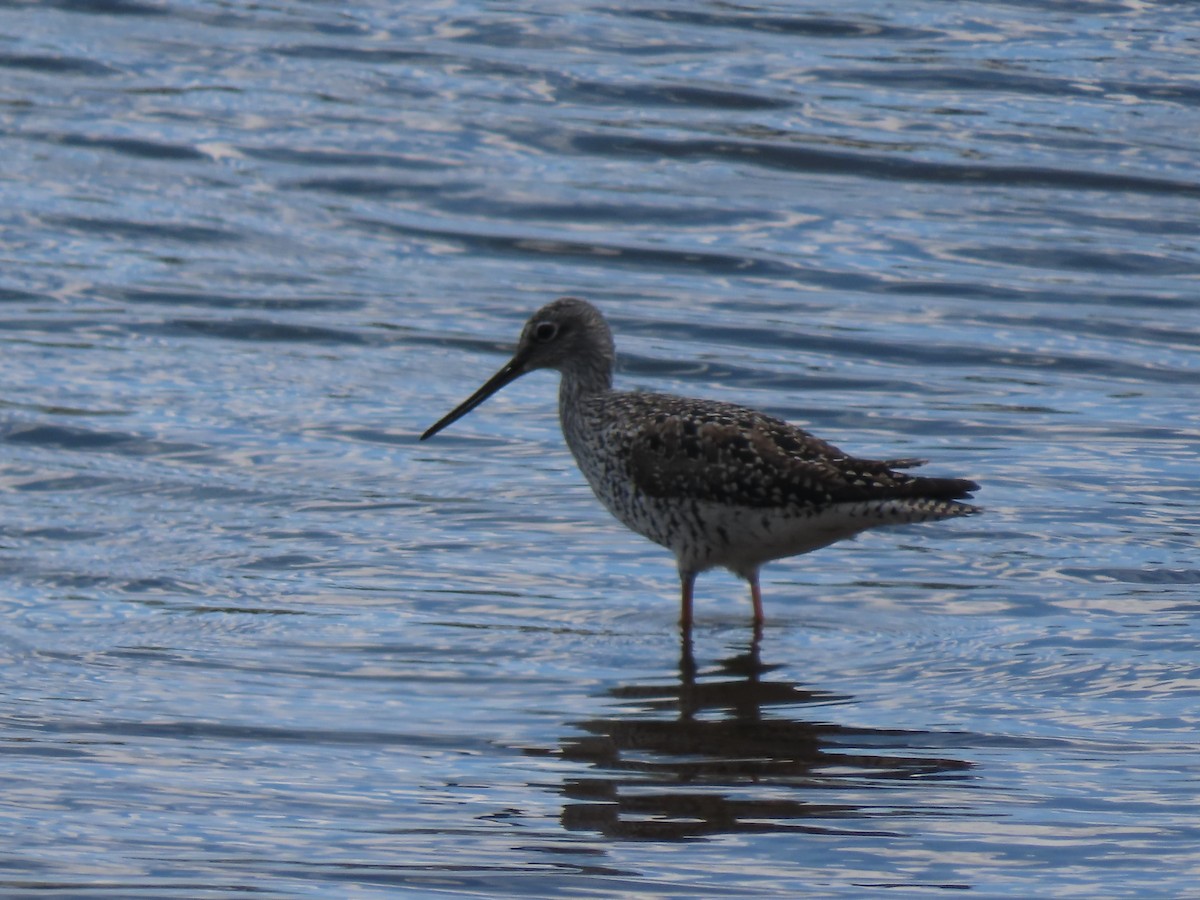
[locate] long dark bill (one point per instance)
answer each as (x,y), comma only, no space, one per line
(511,372)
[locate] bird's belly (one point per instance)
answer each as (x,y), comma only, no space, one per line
(742,538)
(705,535)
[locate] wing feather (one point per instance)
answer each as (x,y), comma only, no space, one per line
(703,450)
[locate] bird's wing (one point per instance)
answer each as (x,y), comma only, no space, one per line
(729,454)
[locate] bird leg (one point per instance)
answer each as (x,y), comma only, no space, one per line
(686,581)
(756,599)
(687,664)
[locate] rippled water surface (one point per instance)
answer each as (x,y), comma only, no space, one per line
(257,640)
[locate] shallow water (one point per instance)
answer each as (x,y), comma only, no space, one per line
(258,639)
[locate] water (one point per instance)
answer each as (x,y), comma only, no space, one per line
(258,639)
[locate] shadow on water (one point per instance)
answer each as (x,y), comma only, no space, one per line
(731,751)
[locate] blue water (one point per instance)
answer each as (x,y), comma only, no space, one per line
(258,640)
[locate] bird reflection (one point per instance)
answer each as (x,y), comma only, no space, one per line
(724,751)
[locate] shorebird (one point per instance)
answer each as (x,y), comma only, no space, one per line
(717,484)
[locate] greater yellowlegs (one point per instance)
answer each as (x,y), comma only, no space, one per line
(716,484)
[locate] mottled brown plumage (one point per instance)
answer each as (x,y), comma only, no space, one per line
(729,454)
(716,483)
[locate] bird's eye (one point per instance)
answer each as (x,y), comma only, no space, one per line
(545,331)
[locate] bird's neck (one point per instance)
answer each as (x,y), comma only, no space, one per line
(577,386)
(578,396)
(584,378)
